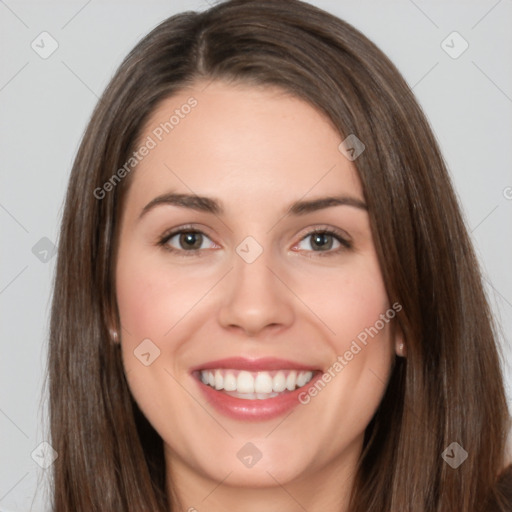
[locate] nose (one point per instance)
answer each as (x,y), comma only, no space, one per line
(256,298)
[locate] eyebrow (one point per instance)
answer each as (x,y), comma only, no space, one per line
(210,205)
(194,202)
(305,207)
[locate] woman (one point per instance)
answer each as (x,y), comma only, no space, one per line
(265,296)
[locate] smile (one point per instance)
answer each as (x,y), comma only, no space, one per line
(255,385)
(254,390)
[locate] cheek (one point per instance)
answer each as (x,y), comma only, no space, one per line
(349,393)
(152,297)
(356,310)
(151,300)
(350,302)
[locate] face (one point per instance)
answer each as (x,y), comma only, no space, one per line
(257,335)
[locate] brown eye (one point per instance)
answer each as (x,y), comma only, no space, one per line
(192,240)
(186,240)
(323,241)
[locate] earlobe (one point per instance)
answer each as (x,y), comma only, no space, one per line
(114,337)
(398,336)
(400,348)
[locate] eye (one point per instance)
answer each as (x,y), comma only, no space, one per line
(188,240)
(324,241)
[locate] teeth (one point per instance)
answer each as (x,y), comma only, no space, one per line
(245,383)
(263,383)
(302,378)
(279,382)
(230,382)
(291,380)
(255,385)
(252,396)
(219,380)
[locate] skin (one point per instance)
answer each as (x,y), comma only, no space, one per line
(256,150)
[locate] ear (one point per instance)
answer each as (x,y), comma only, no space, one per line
(110,319)
(114,336)
(400,348)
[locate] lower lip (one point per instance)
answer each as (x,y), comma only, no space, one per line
(254,410)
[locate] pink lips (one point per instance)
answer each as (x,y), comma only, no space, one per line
(253,410)
(253,365)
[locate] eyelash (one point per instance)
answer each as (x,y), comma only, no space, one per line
(337,235)
(163,241)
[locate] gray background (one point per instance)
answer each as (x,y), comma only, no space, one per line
(46,103)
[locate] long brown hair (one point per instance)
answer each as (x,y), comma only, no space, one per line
(448,389)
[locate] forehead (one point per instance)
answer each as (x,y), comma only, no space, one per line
(240,142)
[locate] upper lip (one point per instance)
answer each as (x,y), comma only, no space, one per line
(254,365)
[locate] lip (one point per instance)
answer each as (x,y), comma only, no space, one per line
(254,365)
(253,410)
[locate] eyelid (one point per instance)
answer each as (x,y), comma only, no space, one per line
(187,228)
(340,235)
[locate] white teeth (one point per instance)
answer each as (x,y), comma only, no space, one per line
(263,383)
(252,396)
(255,385)
(303,377)
(291,380)
(245,382)
(279,382)
(229,382)
(219,380)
